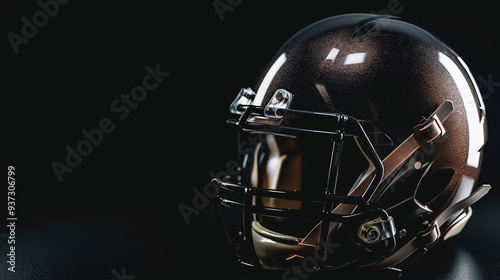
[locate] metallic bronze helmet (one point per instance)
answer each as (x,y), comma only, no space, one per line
(360,147)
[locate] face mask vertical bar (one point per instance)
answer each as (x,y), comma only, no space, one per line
(372,155)
(331,187)
(247,226)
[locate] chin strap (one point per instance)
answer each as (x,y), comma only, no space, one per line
(436,230)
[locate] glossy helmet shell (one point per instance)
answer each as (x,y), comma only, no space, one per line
(391,76)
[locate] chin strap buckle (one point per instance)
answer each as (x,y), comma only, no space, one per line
(462,204)
(436,230)
(433,127)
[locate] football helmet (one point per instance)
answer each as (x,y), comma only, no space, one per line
(360,146)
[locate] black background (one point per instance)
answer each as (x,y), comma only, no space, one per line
(117,212)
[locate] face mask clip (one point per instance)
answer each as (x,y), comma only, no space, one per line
(245,97)
(281,99)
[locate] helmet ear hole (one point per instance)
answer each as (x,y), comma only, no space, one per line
(432,185)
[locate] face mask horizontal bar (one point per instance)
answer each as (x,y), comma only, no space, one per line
(321,216)
(301,214)
(294,122)
(289,195)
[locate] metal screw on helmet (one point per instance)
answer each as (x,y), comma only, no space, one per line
(372,234)
(281,99)
(377,230)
